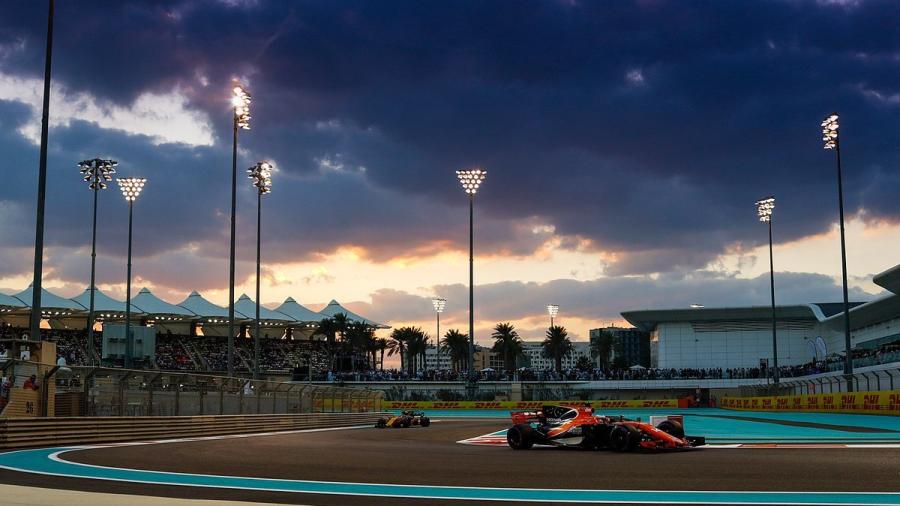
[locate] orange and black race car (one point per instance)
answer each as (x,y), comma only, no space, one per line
(578,426)
(404,419)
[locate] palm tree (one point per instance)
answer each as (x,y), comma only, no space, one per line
(328,328)
(356,341)
(602,347)
(457,345)
(398,343)
(557,345)
(508,344)
(381,344)
(417,343)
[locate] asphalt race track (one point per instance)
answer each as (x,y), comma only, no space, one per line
(433,458)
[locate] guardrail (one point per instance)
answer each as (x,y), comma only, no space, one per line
(101,391)
(28,432)
(874,378)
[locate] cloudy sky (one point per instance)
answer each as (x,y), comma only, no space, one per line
(625,144)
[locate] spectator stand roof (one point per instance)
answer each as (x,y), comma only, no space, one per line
(51,304)
(9,303)
(159,309)
(104,305)
(206,310)
(246,307)
(298,312)
(333,308)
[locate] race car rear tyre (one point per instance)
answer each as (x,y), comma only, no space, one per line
(624,438)
(672,428)
(519,437)
(425,421)
(406,424)
(381,423)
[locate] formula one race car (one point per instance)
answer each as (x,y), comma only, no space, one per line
(578,426)
(404,419)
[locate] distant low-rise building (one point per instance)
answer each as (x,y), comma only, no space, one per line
(533,356)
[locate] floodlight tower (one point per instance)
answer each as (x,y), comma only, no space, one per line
(832,141)
(552,310)
(96,172)
(240,99)
(764,210)
(439,304)
(131,189)
(471,180)
(261,174)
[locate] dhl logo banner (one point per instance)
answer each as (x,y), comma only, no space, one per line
(886,402)
(525,405)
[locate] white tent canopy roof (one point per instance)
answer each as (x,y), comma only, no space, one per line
(247,307)
(333,308)
(150,304)
(298,312)
(48,300)
(9,301)
(102,303)
(203,308)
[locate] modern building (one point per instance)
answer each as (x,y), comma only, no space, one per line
(630,344)
(730,337)
(437,360)
(534,358)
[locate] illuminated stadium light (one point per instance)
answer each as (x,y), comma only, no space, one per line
(261,175)
(552,310)
(764,209)
(131,187)
(471,179)
(439,304)
(832,141)
(830,131)
(240,99)
(96,172)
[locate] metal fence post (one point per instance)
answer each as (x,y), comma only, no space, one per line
(222,396)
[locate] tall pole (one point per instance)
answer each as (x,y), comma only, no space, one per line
(471,286)
(90,323)
(129,340)
(772,287)
(256,330)
(848,360)
(438,338)
(35,319)
(231,254)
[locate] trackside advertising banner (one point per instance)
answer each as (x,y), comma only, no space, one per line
(525,405)
(885,402)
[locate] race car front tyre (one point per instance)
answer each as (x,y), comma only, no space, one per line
(519,437)
(425,421)
(624,438)
(672,428)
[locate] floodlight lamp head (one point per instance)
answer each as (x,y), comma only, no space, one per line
(97,171)
(131,187)
(240,99)
(553,310)
(261,175)
(439,304)
(830,131)
(471,179)
(764,209)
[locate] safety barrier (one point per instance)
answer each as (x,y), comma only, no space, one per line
(29,432)
(634,404)
(885,402)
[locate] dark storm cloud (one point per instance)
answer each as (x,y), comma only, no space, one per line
(647,127)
